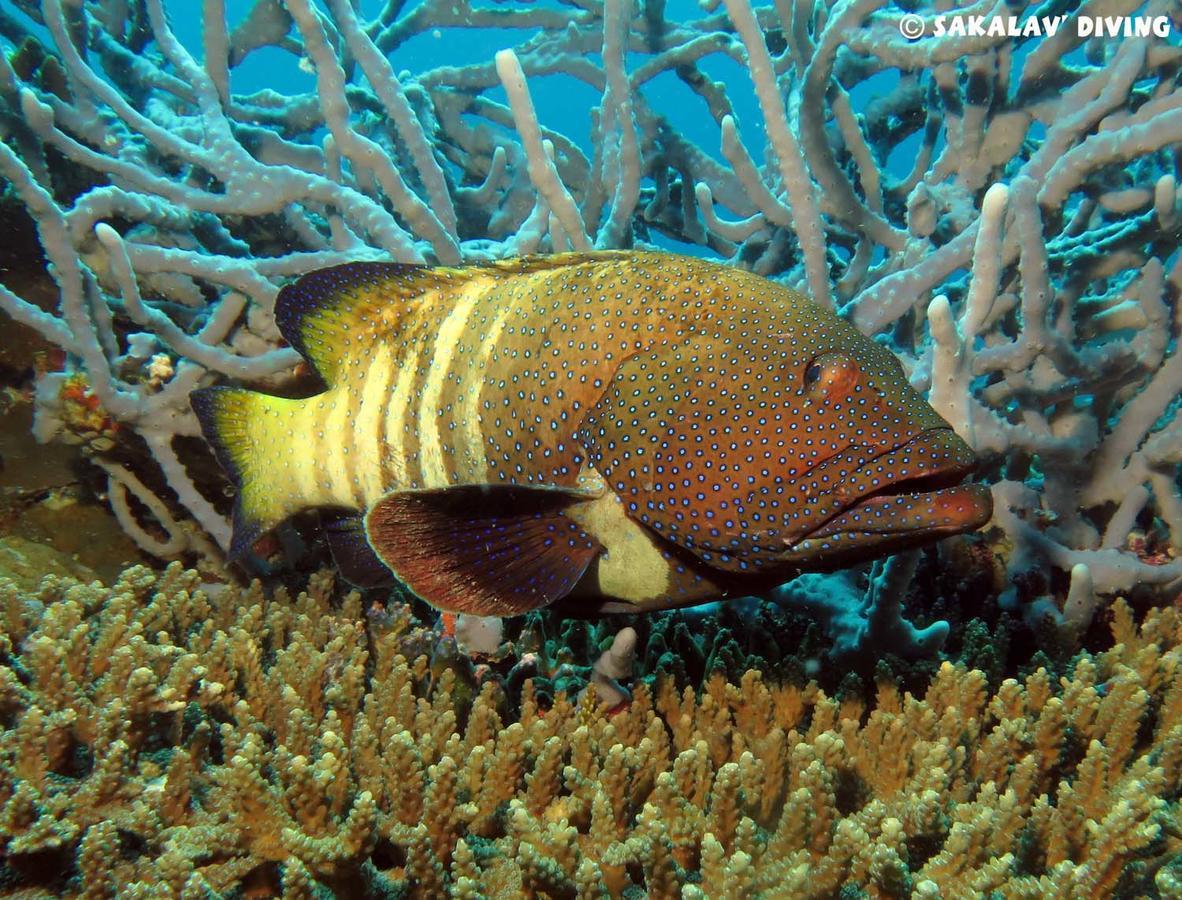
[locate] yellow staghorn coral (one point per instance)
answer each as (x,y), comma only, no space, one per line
(161,739)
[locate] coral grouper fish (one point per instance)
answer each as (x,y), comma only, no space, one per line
(615,430)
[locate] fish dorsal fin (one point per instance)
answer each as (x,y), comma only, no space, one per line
(488,550)
(325,313)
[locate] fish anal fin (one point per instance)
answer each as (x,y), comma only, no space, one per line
(354,557)
(487,551)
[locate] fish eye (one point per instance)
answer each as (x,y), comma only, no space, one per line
(830,376)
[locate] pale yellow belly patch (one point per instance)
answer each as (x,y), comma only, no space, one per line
(632,569)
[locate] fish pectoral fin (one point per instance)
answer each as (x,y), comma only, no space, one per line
(484,550)
(354,557)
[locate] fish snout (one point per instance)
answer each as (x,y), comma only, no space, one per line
(906,497)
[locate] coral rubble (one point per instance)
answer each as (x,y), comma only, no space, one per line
(168,738)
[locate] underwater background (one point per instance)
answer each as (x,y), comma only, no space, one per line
(999,713)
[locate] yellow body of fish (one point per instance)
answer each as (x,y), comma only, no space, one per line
(613,430)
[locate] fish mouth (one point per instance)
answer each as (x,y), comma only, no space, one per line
(923,500)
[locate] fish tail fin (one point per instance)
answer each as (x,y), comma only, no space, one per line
(229,419)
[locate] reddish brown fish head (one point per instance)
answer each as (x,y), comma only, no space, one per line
(896,482)
(776,438)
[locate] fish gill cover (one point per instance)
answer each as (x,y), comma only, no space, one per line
(995,202)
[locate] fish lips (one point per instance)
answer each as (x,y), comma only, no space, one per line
(923,501)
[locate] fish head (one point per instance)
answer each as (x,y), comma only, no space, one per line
(882,471)
(772,437)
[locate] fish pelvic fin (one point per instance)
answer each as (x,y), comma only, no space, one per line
(230,419)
